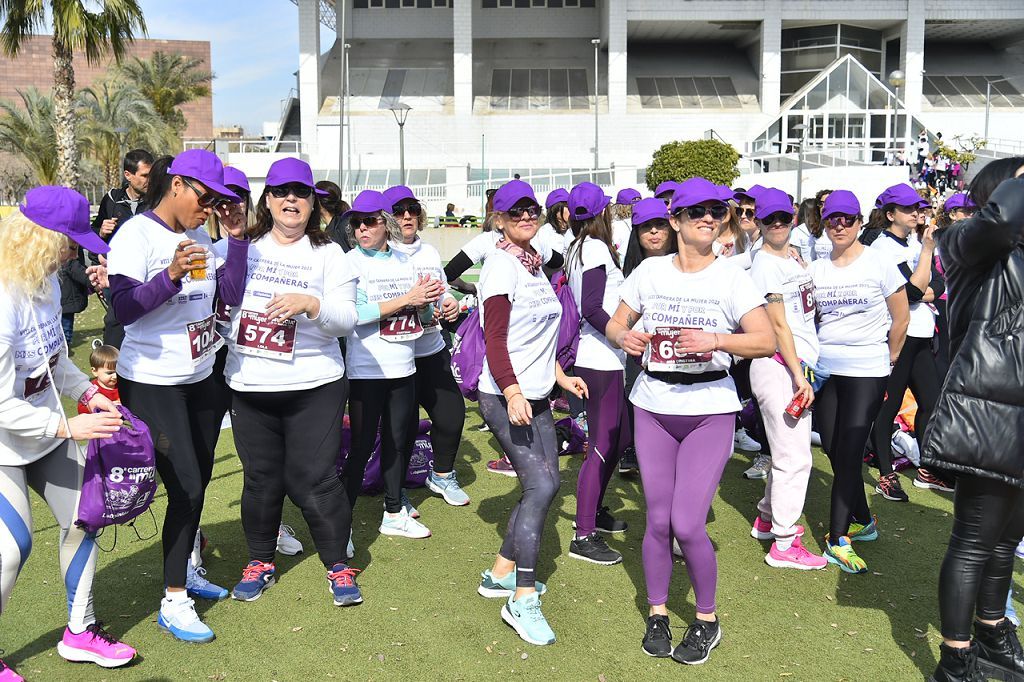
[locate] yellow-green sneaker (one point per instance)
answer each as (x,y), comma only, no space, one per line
(844,556)
(864,533)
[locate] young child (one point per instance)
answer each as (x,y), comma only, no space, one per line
(103,361)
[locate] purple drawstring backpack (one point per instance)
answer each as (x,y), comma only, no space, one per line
(468,352)
(570,322)
(420,463)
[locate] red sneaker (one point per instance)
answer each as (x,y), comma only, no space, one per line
(501,466)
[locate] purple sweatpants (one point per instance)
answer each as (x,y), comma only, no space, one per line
(681,463)
(608,434)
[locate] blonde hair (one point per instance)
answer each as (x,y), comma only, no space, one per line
(622,211)
(29,254)
(391,226)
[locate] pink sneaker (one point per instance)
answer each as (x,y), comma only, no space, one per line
(796,557)
(7,674)
(762,530)
(95,645)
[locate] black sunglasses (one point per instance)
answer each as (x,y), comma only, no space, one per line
(281,191)
(835,221)
(745,213)
(718,211)
(411,209)
(780,217)
(366,221)
(517,212)
(206,199)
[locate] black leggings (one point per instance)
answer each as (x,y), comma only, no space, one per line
(392,404)
(534,455)
(184,421)
(988,522)
(288,442)
(845,410)
(439,395)
(942,339)
(915,369)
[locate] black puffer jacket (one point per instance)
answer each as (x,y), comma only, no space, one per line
(978,423)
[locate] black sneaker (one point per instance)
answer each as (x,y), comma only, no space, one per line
(628,466)
(701,637)
(594,549)
(606,523)
(658,638)
(889,487)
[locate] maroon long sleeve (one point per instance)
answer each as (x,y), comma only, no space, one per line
(497,310)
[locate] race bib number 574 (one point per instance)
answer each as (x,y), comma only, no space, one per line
(261,338)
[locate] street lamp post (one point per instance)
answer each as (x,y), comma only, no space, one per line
(896,79)
(801,129)
(342,93)
(348,111)
(596,42)
(401,112)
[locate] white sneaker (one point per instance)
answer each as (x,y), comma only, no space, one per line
(403,525)
(181,620)
(744,442)
(287,543)
(676,549)
(350,550)
(815,439)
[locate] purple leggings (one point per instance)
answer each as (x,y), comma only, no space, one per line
(681,462)
(608,435)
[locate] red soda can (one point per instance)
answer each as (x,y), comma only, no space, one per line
(796,408)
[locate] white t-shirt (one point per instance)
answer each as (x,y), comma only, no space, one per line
(532,326)
(550,238)
(30,411)
(175,343)
(853,318)
(300,353)
(922,316)
(427,261)
(594,351)
(713,300)
(745,259)
(621,230)
(774,275)
(481,246)
(800,239)
(821,248)
(368,353)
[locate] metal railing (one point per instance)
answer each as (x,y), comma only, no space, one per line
(247,146)
(825,157)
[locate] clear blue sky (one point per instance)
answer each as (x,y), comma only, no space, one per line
(254,46)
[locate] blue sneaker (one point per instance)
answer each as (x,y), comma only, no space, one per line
(199,587)
(181,620)
(448,487)
(861,533)
(503,588)
(256,577)
(527,620)
(342,582)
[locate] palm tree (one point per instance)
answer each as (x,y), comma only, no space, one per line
(75,29)
(116,117)
(28,131)
(169,80)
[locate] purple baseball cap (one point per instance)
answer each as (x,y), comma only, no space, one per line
(511,193)
(393,195)
(627,196)
(900,195)
(667,186)
(649,209)
(556,196)
(751,194)
(770,201)
(586,201)
(235,178)
(367,201)
(62,210)
(205,167)
(958,200)
(694,191)
(840,201)
(291,170)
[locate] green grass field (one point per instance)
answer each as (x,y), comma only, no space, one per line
(422,618)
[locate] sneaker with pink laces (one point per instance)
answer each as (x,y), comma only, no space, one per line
(95,645)
(762,529)
(501,466)
(7,674)
(796,557)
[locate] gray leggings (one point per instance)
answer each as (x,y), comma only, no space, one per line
(534,455)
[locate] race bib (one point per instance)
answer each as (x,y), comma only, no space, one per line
(807,299)
(264,339)
(402,326)
(203,339)
(37,384)
(662,356)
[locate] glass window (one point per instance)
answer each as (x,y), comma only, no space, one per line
(539,90)
(377,177)
(667,92)
(726,91)
(855,126)
(520,89)
(858,92)
(860,37)
(809,36)
(879,128)
(438,176)
(836,126)
(816,97)
(687,93)
(558,82)
(417,176)
(816,58)
(837,85)
(648,92)
(500,81)
(706,92)
(579,92)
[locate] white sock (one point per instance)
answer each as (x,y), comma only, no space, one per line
(77,627)
(175,597)
(783,543)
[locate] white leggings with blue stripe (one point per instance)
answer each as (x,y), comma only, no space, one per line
(57,478)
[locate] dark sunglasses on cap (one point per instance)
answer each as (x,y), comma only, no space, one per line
(780,217)
(531,211)
(412,209)
(366,221)
(717,211)
(747,213)
(835,221)
(299,190)
(206,199)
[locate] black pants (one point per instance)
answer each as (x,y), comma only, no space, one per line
(184,422)
(439,395)
(113,331)
(914,369)
(942,358)
(988,522)
(224,393)
(391,403)
(289,442)
(846,408)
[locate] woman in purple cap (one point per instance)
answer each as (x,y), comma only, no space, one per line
(915,367)
(593,265)
(520,319)
(862,322)
(37,440)
(392,303)
(956,208)
(287,381)
(436,390)
(555,229)
(695,311)
(163,281)
(622,211)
